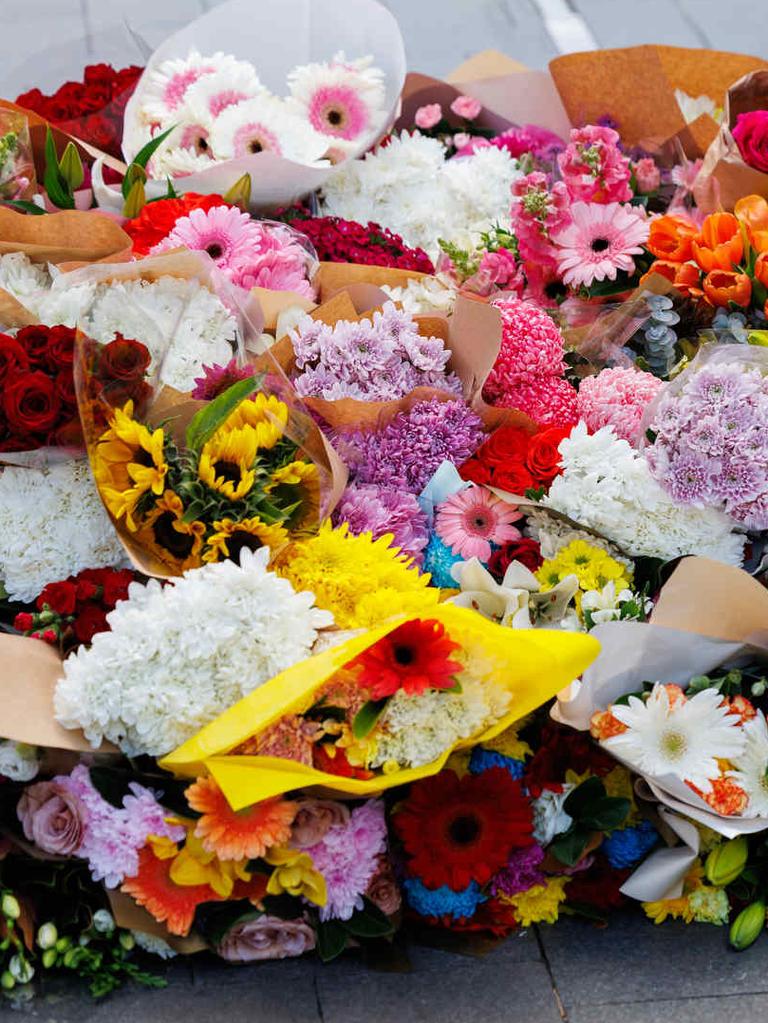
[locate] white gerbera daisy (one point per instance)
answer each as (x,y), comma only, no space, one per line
(752,767)
(178,162)
(683,737)
(343,99)
(212,94)
(163,89)
(265,123)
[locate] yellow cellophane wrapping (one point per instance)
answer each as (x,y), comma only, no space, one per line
(532,664)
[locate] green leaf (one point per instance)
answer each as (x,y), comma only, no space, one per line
(146,153)
(331,939)
(206,422)
(111,784)
(582,796)
(25,207)
(606,814)
(215,919)
(569,848)
(369,922)
(71,167)
(57,188)
(366,718)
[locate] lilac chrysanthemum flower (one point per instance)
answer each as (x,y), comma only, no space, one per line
(406,453)
(382,510)
(689,476)
(521,872)
(113,836)
(347,858)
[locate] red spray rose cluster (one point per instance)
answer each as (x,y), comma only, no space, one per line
(517,461)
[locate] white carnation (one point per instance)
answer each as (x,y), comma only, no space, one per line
(179,655)
(52,525)
(423,295)
(606,485)
(18,761)
(22,278)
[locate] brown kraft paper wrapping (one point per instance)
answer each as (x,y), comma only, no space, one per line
(71,235)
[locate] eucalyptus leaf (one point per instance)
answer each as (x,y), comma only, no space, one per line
(606,814)
(569,848)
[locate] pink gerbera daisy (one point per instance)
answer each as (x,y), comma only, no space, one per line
(342,99)
(599,242)
(470,521)
(224,232)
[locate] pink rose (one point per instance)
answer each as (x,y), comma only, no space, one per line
(383,890)
(52,818)
(462,140)
(428,116)
(647,175)
(466,107)
(751,134)
(267,937)
(315,819)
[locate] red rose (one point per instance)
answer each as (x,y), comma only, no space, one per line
(23,621)
(475,471)
(60,353)
(31,403)
(116,585)
(34,341)
(751,135)
(100,132)
(13,357)
(506,444)
(117,393)
(514,478)
(526,551)
(90,621)
(543,459)
(86,590)
(123,359)
(60,597)
(68,435)
(65,388)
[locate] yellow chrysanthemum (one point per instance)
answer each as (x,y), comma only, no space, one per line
(173,541)
(592,566)
(679,908)
(267,415)
(227,462)
(540,904)
(230,537)
(345,571)
(295,874)
(128,461)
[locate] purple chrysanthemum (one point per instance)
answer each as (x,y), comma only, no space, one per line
(405,454)
(382,510)
(688,478)
(521,872)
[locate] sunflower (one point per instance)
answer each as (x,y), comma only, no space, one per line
(169,903)
(227,460)
(292,473)
(266,414)
(459,830)
(172,540)
(230,537)
(242,835)
(128,462)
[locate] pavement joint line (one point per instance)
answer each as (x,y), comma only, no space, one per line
(550,973)
(318,1000)
(565,26)
(715,996)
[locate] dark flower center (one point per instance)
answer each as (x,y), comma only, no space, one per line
(202,145)
(142,457)
(230,471)
(404,655)
(480,522)
(214,250)
(254,146)
(464,830)
(335,117)
(600,244)
(241,540)
(178,544)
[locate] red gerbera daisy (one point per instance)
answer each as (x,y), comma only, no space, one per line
(415,656)
(459,830)
(169,903)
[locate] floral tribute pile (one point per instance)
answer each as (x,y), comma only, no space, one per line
(391,560)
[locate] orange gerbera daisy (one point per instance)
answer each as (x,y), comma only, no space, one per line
(168,903)
(239,834)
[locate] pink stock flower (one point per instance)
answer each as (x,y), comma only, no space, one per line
(536,214)
(601,241)
(466,107)
(470,521)
(594,168)
(502,269)
(647,175)
(428,116)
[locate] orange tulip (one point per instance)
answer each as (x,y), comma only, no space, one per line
(752,211)
(761,268)
(719,245)
(665,267)
(685,276)
(724,286)
(670,238)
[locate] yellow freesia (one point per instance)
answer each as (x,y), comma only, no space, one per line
(295,874)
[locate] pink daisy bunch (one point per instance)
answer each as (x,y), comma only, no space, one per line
(347,857)
(548,400)
(593,166)
(471,520)
(617,397)
(537,212)
(384,510)
(601,240)
(248,252)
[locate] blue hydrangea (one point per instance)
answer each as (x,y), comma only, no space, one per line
(482,759)
(442,901)
(438,560)
(627,847)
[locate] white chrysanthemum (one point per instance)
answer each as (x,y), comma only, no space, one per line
(606,485)
(684,738)
(344,100)
(265,123)
(425,295)
(154,945)
(409,187)
(179,655)
(165,87)
(24,280)
(18,761)
(52,525)
(549,817)
(178,162)
(751,767)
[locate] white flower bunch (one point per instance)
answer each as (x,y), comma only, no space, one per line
(606,485)
(22,278)
(178,655)
(410,187)
(18,761)
(52,525)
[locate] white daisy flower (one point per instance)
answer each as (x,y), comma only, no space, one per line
(684,738)
(178,162)
(343,99)
(212,94)
(265,123)
(163,89)
(752,767)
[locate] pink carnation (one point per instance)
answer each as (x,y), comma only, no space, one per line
(428,116)
(617,397)
(594,169)
(466,107)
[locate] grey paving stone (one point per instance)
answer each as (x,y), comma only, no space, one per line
(627,24)
(471,992)
(736,1009)
(631,960)
(738,25)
